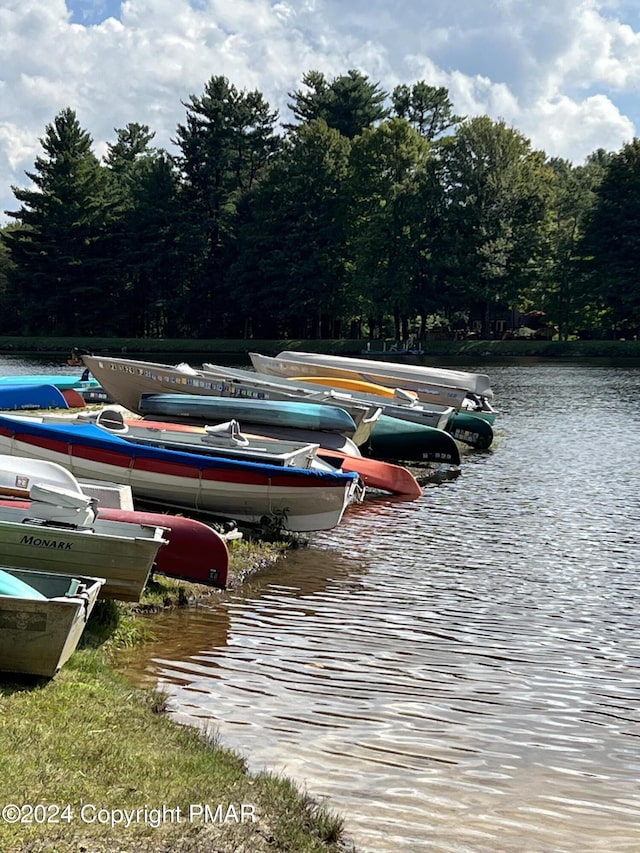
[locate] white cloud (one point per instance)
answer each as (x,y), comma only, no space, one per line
(562,71)
(573,130)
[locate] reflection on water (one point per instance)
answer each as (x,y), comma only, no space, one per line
(460,673)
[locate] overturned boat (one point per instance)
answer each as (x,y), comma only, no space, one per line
(458,388)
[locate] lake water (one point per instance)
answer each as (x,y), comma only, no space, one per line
(460,673)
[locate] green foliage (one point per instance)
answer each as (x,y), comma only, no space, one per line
(611,243)
(352,218)
(227,141)
(562,285)
(56,267)
(386,215)
(497,189)
(291,237)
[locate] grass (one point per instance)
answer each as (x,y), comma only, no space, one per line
(88,741)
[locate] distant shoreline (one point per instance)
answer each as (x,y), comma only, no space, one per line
(471,350)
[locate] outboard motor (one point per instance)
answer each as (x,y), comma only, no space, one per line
(55,505)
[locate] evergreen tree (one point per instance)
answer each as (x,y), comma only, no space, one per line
(290,269)
(498,190)
(9,299)
(385,217)
(146,237)
(563,286)
(55,268)
(427,108)
(349,104)
(226,142)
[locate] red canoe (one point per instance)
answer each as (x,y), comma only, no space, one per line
(195,552)
(376,474)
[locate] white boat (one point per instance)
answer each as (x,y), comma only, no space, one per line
(227,440)
(465,426)
(60,533)
(299,499)
(17,475)
(453,387)
(42,617)
(194,550)
(128,380)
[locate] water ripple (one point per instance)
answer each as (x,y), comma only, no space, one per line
(460,673)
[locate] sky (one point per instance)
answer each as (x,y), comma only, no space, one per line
(566,73)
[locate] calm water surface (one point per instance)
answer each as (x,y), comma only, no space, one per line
(460,673)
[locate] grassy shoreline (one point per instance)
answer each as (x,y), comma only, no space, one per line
(110,772)
(472,350)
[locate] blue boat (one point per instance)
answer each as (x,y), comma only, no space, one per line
(62,381)
(279,413)
(16,397)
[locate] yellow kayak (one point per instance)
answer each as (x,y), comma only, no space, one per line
(355,385)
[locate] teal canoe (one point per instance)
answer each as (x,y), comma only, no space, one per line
(280,413)
(14,586)
(397,440)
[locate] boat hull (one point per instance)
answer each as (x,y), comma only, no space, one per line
(374,473)
(193,551)
(284,413)
(398,440)
(37,637)
(473,430)
(362,370)
(127,381)
(62,381)
(475,383)
(16,397)
(378,474)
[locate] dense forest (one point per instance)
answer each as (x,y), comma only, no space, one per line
(371,214)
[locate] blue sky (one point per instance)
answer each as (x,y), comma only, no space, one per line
(89,13)
(564,72)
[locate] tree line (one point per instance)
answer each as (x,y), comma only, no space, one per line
(370,213)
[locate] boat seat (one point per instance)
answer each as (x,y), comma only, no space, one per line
(226,433)
(62,506)
(184,367)
(112,420)
(405,396)
(59,496)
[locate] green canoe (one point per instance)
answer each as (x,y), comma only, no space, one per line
(397,440)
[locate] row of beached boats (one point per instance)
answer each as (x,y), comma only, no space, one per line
(291,443)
